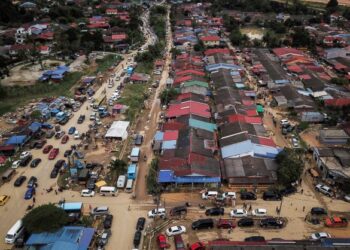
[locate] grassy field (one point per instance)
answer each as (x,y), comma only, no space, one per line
(106,62)
(144,67)
(20,95)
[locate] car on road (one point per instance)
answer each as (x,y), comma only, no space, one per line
(54,152)
(215,211)
(87,193)
(47,149)
(35,162)
(29,193)
(324,189)
(138,140)
(336,221)
(24,161)
(245,222)
(103,210)
(175,230)
(203,224)
(19,181)
(229,195)
(16,164)
(162,242)
(67,153)
(65,139)
(103,239)
(71,130)
(318,211)
(140,223)
(239,212)
(209,194)
(320,235)
(226,224)
(288,191)
(107,223)
(179,210)
(156,212)
(64,121)
(76,135)
(255,239)
(271,196)
(4,199)
(81,119)
(54,173)
(59,134)
(137,238)
(271,223)
(32,182)
(24,155)
(259,212)
(248,196)
(179,243)
(40,144)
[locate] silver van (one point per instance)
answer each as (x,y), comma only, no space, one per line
(129,186)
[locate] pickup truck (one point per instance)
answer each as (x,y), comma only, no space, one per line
(336,221)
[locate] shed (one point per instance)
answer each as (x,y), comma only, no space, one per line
(333,136)
(71,206)
(132,171)
(118,130)
(17,140)
(83,175)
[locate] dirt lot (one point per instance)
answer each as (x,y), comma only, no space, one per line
(341,2)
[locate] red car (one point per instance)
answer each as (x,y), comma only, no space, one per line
(47,149)
(54,152)
(197,246)
(65,139)
(222,223)
(179,243)
(161,241)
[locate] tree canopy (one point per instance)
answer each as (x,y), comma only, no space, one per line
(119,166)
(45,218)
(167,95)
(290,166)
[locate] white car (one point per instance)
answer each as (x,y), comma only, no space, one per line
(76,135)
(347,197)
(98,121)
(24,154)
(324,189)
(284,122)
(175,230)
(259,212)
(154,212)
(87,193)
(239,213)
(320,235)
(15,164)
(229,195)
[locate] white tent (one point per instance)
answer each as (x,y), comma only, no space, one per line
(118,130)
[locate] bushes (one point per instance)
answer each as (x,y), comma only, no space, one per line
(151,179)
(290,166)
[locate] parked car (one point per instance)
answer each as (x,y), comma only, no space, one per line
(259,212)
(229,195)
(288,191)
(336,221)
(203,224)
(81,119)
(90,184)
(40,144)
(154,212)
(271,222)
(67,153)
(16,164)
(71,130)
(318,211)
(215,211)
(224,223)
(103,240)
(4,199)
(32,182)
(47,149)
(24,155)
(24,161)
(54,173)
(50,134)
(107,223)
(162,242)
(35,162)
(271,196)
(320,235)
(245,222)
(180,210)
(65,139)
(19,181)
(209,194)
(248,196)
(179,243)
(175,230)
(138,140)
(29,193)
(54,152)
(197,246)
(347,197)
(140,223)
(255,239)
(137,238)
(103,210)
(87,193)
(59,134)
(324,189)
(239,212)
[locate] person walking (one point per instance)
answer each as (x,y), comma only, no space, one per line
(33,199)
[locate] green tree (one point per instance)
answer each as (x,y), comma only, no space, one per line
(237,38)
(45,218)
(346,13)
(290,166)
(153,186)
(332,5)
(339,81)
(36,115)
(118,166)
(167,95)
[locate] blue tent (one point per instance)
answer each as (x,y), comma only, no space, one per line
(17,140)
(35,126)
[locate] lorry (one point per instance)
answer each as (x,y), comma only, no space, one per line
(336,221)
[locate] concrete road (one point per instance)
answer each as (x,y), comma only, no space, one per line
(124,221)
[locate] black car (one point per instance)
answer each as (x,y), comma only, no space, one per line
(180,210)
(288,191)
(215,211)
(203,224)
(59,164)
(318,211)
(54,173)
(248,196)
(107,223)
(67,153)
(33,144)
(64,121)
(91,184)
(271,196)
(271,222)
(24,162)
(40,144)
(19,181)
(92,165)
(138,140)
(35,162)
(81,119)
(50,134)
(140,223)
(32,183)
(245,222)
(255,239)
(137,238)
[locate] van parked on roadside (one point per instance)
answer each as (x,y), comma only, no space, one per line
(8,174)
(129,185)
(209,194)
(121,181)
(106,190)
(15,231)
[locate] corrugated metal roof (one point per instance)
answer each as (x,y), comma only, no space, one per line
(202,125)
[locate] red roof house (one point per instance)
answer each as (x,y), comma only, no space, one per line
(190,107)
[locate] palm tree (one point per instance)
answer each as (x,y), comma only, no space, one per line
(118,166)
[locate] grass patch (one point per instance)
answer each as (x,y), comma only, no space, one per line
(106,62)
(134,96)
(144,67)
(20,95)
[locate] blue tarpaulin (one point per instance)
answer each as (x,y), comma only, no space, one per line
(16,140)
(35,126)
(167,176)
